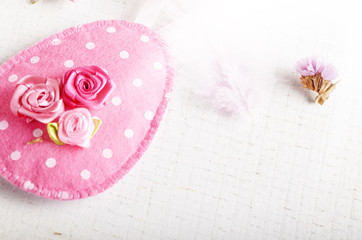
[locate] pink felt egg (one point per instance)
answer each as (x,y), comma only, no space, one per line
(136,59)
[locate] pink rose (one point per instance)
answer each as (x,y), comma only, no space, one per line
(76,127)
(37,98)
(86,87)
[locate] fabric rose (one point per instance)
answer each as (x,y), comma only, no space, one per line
(86,87)
(75,127)
(37,98)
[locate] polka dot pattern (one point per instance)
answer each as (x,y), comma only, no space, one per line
(4,125)
(28,185)
(137,82)
(149,115)
(69,63)
(144,38)
(85,174)
(15,155)
(111,30)
(64,195)
(107,153)
(116,101)
(37,133)
(69,172)
(157,66)
(13,78)
(128,133)
(50,162)
(56,41)
(34,59)
(90,45)
(124,54)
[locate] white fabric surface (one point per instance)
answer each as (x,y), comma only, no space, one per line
(291,172)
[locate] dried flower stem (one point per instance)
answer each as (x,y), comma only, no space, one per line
(38,140)
(319,85)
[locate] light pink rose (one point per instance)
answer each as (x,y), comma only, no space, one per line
(37,98)
(86,87)
(76,127)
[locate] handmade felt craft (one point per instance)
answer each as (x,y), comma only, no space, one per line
(79,108)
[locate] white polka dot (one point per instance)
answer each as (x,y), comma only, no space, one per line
(28,185)
(144,38)
(111,30)
(64,195)
(4,125)
(116,101)
(107,153)
(124,54)
(56,41)
(69,63)
(85,174)
(168,96)
(128,133)
(15,155)
(50,162)
(149,115)
(137,82)
(157,66)
(37,133)
(34,59)
(90,45)
(13,78)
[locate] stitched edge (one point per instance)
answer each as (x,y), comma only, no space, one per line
(131,161)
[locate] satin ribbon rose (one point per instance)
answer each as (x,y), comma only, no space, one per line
(86,87)
(37,98)
(75,127)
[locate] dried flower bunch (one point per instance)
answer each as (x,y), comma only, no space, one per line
(317,76)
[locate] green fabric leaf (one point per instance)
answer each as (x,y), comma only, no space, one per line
(97,123)
(52,129)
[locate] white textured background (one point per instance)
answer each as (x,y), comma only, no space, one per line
(291,172)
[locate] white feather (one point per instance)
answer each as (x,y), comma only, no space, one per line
(228,88)
(214,59)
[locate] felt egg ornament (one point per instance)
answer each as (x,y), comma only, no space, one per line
(79,108)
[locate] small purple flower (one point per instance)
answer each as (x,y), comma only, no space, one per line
(330,73)
(312,66)
(317,76)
